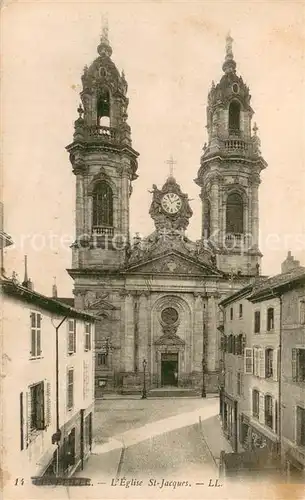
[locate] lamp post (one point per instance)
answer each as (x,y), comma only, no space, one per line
(203,392)
(144,395)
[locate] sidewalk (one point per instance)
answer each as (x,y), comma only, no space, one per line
(212,434)
(114,395)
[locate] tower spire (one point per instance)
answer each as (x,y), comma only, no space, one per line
(229,65)
(104,48)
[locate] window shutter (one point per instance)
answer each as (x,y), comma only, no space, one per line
(85,379)
(47,391)
(275,416)
(294,364)
(33,341)
(74,337)
(275,367)
(41,407)
(261,367)
(38,340)
(261,408)
(21,421)
(28,417)
(255,361)
(248,361)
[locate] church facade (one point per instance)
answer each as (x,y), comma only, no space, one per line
(158,296)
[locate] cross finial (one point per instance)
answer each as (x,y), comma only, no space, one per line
(229,65)
(171,162)
(229,43)
(105,27)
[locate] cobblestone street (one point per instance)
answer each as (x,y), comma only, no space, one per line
(156,438)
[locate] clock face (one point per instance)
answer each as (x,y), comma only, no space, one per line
(171,203)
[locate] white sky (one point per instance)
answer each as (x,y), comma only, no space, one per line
(170,51)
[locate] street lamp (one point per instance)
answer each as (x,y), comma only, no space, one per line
(203,392)
(144,395)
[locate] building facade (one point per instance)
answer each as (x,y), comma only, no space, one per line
(158,296)
(293,381)
(47,384)
(271,415)
(237,314)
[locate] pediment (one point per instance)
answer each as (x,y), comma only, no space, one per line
(174,264)
(100,305)
(167,339)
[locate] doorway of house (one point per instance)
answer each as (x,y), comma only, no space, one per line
(169,369)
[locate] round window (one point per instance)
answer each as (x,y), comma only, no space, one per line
(169,315)
(235,88)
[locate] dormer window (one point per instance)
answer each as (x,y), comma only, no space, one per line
(234,117)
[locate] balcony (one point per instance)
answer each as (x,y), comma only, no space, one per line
(102,133)
(102,230)
(237,146)
(235,240)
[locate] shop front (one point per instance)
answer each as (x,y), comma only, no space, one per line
(229,419)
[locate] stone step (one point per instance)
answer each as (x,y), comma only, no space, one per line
(173,392)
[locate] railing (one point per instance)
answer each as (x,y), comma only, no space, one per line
(103,230)
(104,133)
(236,145)
(236,238)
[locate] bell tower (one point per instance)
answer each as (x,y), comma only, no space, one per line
(229,174)
(104,164)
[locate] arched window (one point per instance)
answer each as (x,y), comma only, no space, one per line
(103,108)
(235,214)
(102,205)
(234,117)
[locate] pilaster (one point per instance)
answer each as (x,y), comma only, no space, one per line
(197,336)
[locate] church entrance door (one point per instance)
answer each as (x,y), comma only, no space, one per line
(169,369)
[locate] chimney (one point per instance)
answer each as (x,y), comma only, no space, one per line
(54,289)
(289,263)
(27,282)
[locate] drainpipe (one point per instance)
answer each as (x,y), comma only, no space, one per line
(57,436)
(280,377)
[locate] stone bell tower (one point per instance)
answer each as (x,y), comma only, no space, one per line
(104,164)
(229,174)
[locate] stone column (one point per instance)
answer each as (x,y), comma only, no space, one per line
(215,209)
(136,306)
(211,334)
(198,323)
(129,335)
(86,206)
(79,208)
(203,235)
(255,214)
(144,314)
(124,223)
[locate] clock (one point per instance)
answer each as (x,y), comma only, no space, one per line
(171,203)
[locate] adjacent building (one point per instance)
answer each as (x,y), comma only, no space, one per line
(269,411)
(234,386)
(158,295)
(46,383)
